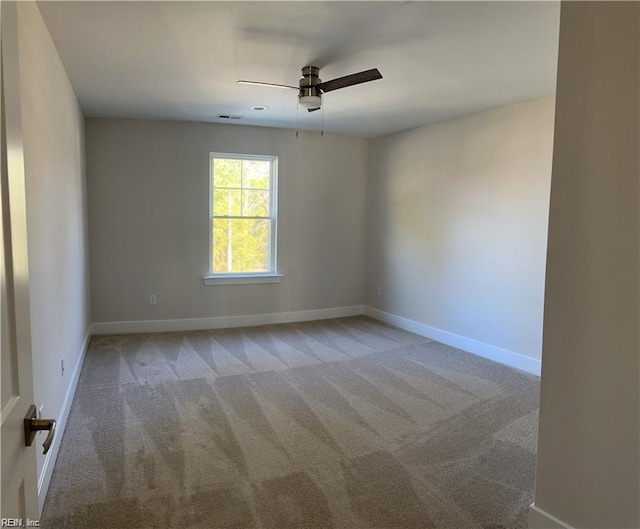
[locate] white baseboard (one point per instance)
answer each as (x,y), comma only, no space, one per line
(539,519)
(497,354)
(195,324)
(61,422)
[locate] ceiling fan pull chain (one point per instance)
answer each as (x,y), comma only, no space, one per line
(322,121)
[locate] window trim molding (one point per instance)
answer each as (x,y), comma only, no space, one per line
(241,279)
(270,276)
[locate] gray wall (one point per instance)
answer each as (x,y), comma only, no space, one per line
(588,466)
(148,209)
(56,213)
(457,216)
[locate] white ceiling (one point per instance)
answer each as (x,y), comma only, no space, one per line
(181,60)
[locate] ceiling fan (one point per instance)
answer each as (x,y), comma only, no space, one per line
(311,87)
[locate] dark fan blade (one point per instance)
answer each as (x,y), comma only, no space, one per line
(350,80)
(313,109)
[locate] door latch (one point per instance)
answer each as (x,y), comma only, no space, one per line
(33,425)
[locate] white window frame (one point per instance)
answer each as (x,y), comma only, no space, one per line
(237,278)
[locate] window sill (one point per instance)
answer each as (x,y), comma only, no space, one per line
(249,279)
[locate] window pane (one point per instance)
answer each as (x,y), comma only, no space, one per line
(255,203)
(227,172)
(256,174)
(240,246)
(226,202)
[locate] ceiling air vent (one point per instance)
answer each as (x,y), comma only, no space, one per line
(229,116)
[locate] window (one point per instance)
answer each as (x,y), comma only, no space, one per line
(243,219)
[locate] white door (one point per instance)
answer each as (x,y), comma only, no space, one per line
(18,464)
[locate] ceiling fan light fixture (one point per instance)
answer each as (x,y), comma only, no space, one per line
(310,101)
(309,96)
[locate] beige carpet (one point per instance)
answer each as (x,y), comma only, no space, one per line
(345,423)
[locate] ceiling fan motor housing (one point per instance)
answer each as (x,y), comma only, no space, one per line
(310,77)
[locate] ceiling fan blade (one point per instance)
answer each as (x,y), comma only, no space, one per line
(350,80)
(313,109)
(272,85)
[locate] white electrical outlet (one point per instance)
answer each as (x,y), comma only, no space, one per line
(152,300)
(62,367)
(379,291)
